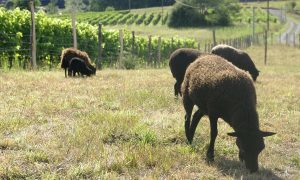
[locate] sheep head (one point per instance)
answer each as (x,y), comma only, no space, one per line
(250,144)
(254,74)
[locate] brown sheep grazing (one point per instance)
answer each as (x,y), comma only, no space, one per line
(237,57)
(180,59)
(69,53)
(220,90)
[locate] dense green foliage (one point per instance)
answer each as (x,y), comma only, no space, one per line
(191,13)
(55,34)
(22,4)
(183,16)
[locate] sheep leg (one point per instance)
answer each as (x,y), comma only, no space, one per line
(65,72)
(69,72)
(176,89)
(213,134)
(188,106)
(196,119)
(179,87)
(241,156)
(187,125)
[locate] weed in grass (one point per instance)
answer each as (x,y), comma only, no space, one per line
(37,156)
(9,144)
(148,137)
(12,173)
(296,161)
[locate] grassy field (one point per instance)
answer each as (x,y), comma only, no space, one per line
(127,124)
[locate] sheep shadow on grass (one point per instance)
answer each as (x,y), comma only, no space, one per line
(237,170)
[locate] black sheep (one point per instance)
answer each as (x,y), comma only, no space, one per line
(221,90)
(79,66)
(180,59)
(237,57)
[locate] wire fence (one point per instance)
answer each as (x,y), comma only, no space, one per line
(122,55)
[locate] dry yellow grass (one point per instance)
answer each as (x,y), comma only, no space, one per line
(127,124)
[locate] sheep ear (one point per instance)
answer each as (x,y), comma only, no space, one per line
(233,134)
(265,134)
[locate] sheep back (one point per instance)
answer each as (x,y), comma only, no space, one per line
(237,57)
(69,53)
(180,59)
(218,87)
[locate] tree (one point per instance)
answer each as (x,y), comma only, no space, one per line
(24,4)
(9,5)
(77,5)
(52,7)
(189,13)
(95,5)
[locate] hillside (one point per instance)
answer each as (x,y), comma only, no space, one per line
(153,21)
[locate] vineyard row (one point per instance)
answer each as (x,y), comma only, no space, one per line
(155,18)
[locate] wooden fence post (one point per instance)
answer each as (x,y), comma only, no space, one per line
(214,38)
(19,61)
(266,46)
(74,30)
(286,39)
(33,36)
(199,46)
(10,60)
(133,43)
(299,40)
(51,60)
(98,64)
(279,38)
(172,44)
(294,39)
(121,47)
(149,50)
(159,51)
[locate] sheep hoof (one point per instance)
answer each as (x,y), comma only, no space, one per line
(241,157)
(190,139)
(210,158)
(209,161)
